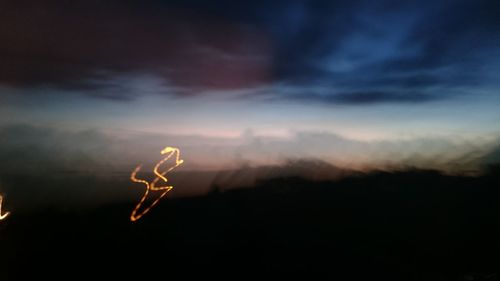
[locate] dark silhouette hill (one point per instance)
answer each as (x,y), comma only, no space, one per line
(409,225)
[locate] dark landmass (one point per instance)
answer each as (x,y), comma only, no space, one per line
(413,225)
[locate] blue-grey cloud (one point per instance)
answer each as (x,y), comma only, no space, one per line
(40,150)
(493,157)
(56,165)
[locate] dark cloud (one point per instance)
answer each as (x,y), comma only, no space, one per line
(33,150)
(493,157)
(84,45)
(375,97)
(388,51)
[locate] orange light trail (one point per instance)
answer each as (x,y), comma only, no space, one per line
(170,151)
(5,215)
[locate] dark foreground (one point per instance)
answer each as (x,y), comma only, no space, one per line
(405,226)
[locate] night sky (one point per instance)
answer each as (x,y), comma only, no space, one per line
(99,86)
(352,140)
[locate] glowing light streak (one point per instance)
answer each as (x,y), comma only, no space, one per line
(5,215)
(170,151)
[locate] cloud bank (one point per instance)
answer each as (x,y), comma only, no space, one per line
(27,149)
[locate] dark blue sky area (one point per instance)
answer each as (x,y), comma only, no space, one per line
(355,52)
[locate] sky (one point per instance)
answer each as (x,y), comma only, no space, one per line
(93,85)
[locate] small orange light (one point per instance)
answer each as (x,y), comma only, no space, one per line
(170,151)
(5,215)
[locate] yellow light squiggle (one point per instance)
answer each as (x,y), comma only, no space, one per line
(5,215)
(170,151)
